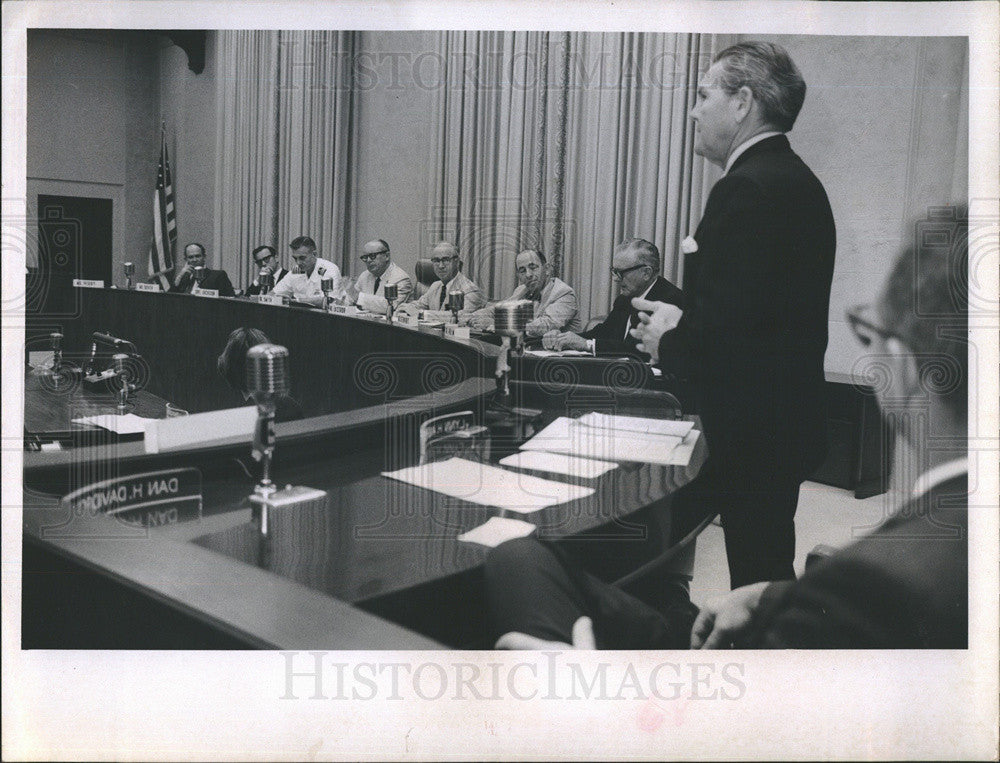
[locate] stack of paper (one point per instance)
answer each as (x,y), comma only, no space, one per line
(487,485)
(559,463)
(127,423)
(617,442)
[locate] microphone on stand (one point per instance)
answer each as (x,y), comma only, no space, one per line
(56,370)
(391,293)
(266,280)
(456,301)
(267,380)
(510,321)
(129,268)
(199,274)
(122,375)
(326,286)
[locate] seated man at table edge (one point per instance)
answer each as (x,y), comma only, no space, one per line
(303,283)
(556,307)
(232,366)
(636,267)
(265,257)
(368,291)
(905,585)
(183,281)
(448,269)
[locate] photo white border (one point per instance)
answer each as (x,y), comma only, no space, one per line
(796,704)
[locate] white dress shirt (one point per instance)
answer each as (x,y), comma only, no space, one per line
(304,288)
(372,299)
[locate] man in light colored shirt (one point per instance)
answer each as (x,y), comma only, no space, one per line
(368,292)
(303,283)
(447,267)
(555,301)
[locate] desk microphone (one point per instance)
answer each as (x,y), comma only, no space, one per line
(456,302)
(199,274)
(114,341)
(266,280)
(129,268)
(267,380)
(391,293)
(326,286)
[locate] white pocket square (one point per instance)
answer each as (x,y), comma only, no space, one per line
(689,245)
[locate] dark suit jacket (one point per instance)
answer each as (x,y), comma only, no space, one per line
(254,288)
(904,586)
(754,330)
(610,334)
(214,279)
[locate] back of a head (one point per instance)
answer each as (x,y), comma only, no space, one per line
(925,303)
(231,364)
(772,76)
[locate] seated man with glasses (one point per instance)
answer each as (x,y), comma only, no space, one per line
(555,301)
(636,268)
(265,257)
(447,267)
(184,281)
(368,291)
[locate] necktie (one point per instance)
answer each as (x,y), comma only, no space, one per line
(378,282)
(444,288)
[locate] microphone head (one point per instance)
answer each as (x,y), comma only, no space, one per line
(129,268)
(511,318)
(391,292)
(199,273)
(56,338)
(326,284)
(267,371)
(456,300)
(266,279)
(119,359)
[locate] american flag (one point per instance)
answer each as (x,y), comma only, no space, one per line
(161,251)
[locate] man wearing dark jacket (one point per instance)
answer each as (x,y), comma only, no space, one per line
(903,585)
(754,327)
(636,267)
(183,280)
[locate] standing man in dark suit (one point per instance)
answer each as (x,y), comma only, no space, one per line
(194,257)
(904,585)
(753,332)
(636,267)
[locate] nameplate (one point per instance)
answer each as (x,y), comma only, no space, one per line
(406,319)
(205,292)
(344,309)
(150,499)
(270,299)
(147,287)
(88,283)
(456,332)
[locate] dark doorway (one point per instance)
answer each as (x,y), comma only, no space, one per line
(74,241)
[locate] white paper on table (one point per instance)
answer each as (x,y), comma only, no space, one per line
(489,486)
(565,435)
(128,423)
(670,427)
(496,531)
(559,463)
(557,353)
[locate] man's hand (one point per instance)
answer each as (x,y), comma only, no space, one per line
(481,322)
(724,618)
(563,340)
(350,293)
(655,320)
(583,638)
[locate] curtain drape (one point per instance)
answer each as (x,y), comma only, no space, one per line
(285,136)
(568,142)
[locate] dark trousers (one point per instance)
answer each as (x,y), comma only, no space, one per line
(757,511)
(536,588)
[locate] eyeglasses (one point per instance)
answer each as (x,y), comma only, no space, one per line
(860,325)
(372,255)
(441,260)
(619,273)
(265,258)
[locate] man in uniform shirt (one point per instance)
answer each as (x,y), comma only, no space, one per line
(303,283)
(368,292)
(555,301)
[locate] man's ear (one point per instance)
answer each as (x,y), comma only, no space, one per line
(744,102)
(904,367)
